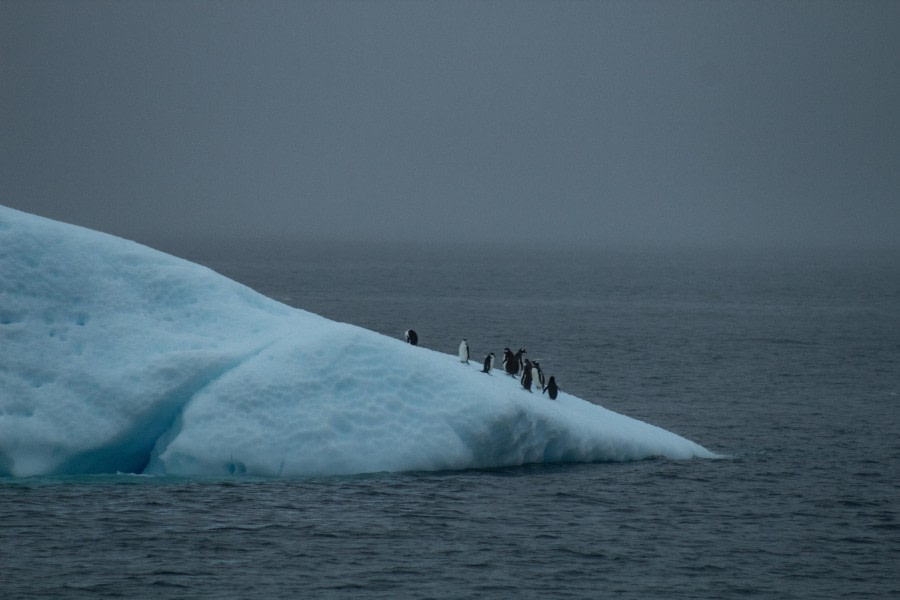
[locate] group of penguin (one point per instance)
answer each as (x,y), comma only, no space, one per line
(514,364)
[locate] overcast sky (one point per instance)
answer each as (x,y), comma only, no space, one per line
(608,122)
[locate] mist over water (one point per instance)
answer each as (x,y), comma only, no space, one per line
(632,122)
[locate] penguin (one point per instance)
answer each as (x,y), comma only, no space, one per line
(520,362)
(510,363)
(411,337)
(464,352)
(527,377)
(526,366)
(551,387)
(537,374)
(488,363)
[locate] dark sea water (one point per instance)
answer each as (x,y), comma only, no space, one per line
(787,362)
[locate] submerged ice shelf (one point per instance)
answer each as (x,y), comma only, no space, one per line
(119,358)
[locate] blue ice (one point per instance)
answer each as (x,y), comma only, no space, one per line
(118,358)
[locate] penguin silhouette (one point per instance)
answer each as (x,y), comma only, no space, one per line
(520,362)
(488,363)
(551,388)
(510,363)
(411,337)
(527,377)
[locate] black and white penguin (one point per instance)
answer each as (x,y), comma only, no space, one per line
(488,363)
(537,374)
(510,363)
(411,337)
(551,387)
(464,352)
(527,377)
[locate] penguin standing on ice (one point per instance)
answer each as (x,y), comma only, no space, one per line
(520,361)
(464,352)
(551,387)
(526,366)
(527,377)
(488,363)
(510,363)
(537,374)
(411,337)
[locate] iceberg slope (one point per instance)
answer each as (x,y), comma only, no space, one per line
(116,357)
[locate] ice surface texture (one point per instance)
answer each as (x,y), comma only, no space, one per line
(117,358)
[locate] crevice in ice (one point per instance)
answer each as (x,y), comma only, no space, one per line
(131,450)
(162,441)
(514,437)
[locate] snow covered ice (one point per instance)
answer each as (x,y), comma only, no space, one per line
(117,358)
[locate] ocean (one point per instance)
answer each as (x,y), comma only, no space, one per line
(786,362)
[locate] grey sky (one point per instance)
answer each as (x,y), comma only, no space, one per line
(608,122)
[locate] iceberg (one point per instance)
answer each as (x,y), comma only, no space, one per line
(115,357)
